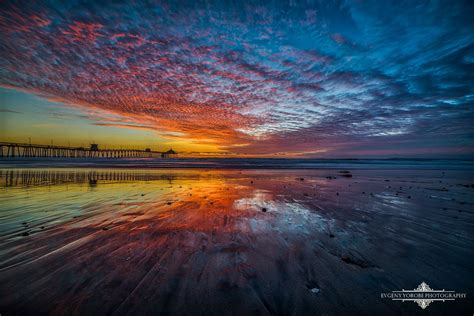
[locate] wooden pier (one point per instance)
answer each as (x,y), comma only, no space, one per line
(22,150)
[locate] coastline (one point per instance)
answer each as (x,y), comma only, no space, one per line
(241,163)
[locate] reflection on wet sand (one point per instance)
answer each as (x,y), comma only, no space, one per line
(37,177)
(232,242)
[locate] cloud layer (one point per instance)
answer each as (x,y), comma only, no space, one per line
(318,78)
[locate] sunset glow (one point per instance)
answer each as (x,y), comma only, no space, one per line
(324,79)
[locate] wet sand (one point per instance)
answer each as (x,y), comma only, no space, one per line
(233,242)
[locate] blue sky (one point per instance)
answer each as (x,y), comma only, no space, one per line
(306,79)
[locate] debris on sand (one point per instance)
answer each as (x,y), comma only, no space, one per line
(315,290)
(264,209)
(345,173)
(313,287)
(357,262)
(25,234)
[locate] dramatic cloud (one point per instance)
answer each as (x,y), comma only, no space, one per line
(315,78)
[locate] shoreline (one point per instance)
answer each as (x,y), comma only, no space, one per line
(243,164)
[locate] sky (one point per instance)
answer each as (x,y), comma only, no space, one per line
(332,79)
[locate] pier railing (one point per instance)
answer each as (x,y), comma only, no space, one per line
(22,150)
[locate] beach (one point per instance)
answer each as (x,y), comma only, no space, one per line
(233,241)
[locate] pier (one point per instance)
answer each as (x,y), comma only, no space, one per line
(24,150)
